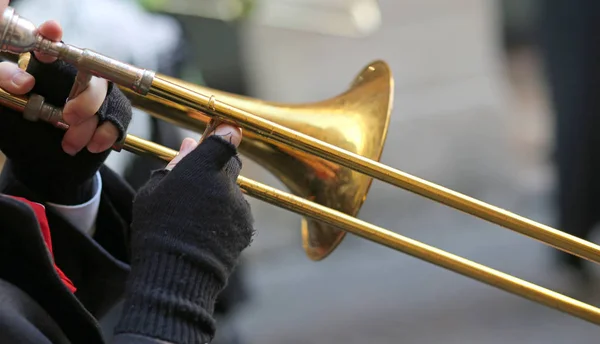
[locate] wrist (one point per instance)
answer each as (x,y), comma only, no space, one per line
(171,295)
(61,193)
(70,194)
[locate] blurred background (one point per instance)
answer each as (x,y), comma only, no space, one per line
(494,99)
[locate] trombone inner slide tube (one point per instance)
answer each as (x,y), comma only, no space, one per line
(368,231)
(19,35)
(279,135)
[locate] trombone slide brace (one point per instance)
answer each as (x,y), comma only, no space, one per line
(35,108)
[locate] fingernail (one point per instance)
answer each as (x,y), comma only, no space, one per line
(229,133)
(93,147)
(20,78)
(69,149)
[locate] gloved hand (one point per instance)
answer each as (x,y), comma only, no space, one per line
(59,166)
(189,228)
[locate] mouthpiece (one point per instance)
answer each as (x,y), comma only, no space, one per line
(19,35)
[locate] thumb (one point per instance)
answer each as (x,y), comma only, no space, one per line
(229,133)
(218,151)
(219,146)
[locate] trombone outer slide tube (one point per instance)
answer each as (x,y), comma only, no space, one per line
(392,240)
(369,231)
(162,90)
(20,35)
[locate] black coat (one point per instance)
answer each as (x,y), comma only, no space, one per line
(570,47)
(35,306)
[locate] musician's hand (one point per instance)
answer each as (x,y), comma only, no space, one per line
(79,113)
(189,227)
(55,164)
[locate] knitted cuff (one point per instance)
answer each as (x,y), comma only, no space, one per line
(47,190)
(171,298)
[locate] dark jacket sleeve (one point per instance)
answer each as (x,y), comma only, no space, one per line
(23,320)
(35,307)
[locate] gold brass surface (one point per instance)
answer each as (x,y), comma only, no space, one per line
(172,92)
(11,101)
(390,239)
(385,237)
(276,134)
(356,120)
(177,102)
(393,240)
(178,95)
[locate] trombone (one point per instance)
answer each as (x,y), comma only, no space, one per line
(329,177)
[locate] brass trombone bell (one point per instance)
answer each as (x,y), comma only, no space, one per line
(19,35)
(329,140)
(365,230)
(356,120)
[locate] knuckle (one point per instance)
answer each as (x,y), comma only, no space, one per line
(77,111)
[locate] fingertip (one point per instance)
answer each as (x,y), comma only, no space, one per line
(69,149)
(187,145)
(14,80)
(22,82)
(87,103)
(52,30)
(230,133)
(104,138)
(78,136)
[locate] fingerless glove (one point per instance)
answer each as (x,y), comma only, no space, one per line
(33,149)
(189,227)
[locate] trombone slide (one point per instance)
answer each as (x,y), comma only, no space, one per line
(366,230)
(20,36)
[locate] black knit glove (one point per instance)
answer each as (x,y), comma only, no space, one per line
(189,227)
(33,149)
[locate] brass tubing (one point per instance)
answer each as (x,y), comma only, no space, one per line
(393,240)
(19,35)
(11,101)
(370,232)
(176,95)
